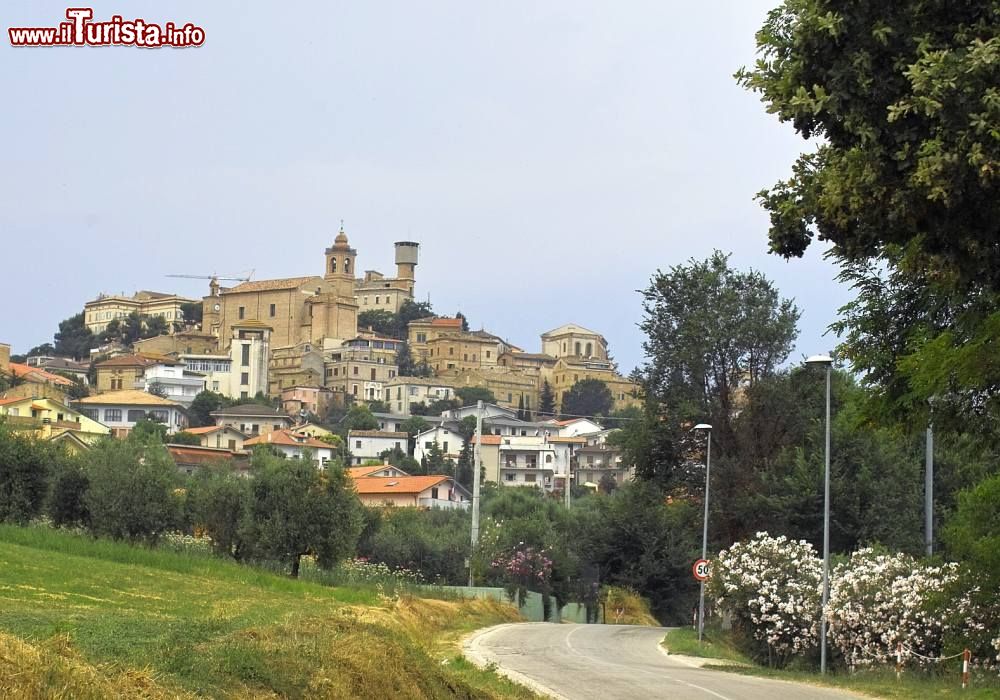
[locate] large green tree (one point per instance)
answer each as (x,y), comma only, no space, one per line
(712,333)
(130,493)
(74,339)
(903,98)
(24,468)
(297,509)
(587,397)
(469,395)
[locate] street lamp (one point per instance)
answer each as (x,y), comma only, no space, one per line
(825,361)
(704,528)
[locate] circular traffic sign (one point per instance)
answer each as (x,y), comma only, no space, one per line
(702,569)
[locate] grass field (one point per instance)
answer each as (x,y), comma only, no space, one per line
(82,618)
(878,683)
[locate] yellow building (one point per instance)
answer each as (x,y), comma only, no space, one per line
(465,350)
(180,343)
(535,364)
(510,388)
(121,373)
(362,366)
(97,314)
(49,419)
(571,340)
(569,371)
(4,358)
(312,309)
(422,330)
(294,365)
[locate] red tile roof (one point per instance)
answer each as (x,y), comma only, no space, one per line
(490,439)
(40,375)
(378,434)
(287,438)
(208,429)
(409,485)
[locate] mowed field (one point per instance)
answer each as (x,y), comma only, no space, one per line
(81,618)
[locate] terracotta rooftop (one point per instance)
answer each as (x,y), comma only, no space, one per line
(128,397)
(141,360)
(288,439)
(29,373)
(489,439)
(190,454)
(208,429)
(362,472)
(410,485)
(273,285)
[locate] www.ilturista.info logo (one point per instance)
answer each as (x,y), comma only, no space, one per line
(80,30)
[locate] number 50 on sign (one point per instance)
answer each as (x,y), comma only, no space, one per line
(702,569)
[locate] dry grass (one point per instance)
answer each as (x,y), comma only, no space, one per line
(109,623)
(626,607)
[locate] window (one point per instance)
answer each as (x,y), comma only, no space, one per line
(548,459)
(399,393)
(135,416)
(509,477)
(244,395)
(590,349)
(244,378)
(510,397)
(215,386)
(272,310)
(242,312)
(333,264)
(160,416)
(232,444)
(428,445)
(347,265)
(91,413)
(376,300)
(373,374)
(451,351)
(255,428)
(444,446)
(245,358)
(451,365)
(529,478)
(487,354)
(355,390)
(113,415)
(355,370)
(421,337)
(357,443)
(577,347)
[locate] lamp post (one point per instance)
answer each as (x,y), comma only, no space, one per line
(704,528)
(929,483)
(827,362)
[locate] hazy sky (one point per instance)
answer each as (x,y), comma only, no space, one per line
(548,156)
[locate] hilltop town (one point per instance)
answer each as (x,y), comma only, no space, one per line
(346,357)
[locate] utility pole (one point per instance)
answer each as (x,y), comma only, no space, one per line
(475,482)
(569,473)
(929,491)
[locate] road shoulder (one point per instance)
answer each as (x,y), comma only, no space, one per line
(474,650)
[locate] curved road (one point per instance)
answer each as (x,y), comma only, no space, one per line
(605,662)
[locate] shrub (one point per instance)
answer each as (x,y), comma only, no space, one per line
(24,467)
(771,587)
(132,490)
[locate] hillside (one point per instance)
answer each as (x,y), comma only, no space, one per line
(84,618)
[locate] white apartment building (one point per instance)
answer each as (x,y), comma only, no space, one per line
(366,445)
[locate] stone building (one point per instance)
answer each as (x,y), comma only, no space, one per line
(97,314)
(422,330)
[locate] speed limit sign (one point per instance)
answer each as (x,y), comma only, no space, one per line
(701,570)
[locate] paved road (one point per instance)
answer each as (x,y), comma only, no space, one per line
(607,662)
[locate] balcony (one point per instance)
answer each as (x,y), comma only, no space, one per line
(442,503)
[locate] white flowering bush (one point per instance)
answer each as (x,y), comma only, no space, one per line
(181,542)
(771,588)
(880,600)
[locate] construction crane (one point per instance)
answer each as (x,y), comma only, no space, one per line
(216,277)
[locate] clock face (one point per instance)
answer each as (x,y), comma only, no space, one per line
(217,307)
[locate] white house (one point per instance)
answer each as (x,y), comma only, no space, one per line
(400,393)
(490,410)
(252,419)
(434,491)
(219,436)
(294,445)
(370,444)
(121,410)
(575,427)
(177,383)
(448,440)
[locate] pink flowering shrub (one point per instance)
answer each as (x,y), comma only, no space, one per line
(524,568)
